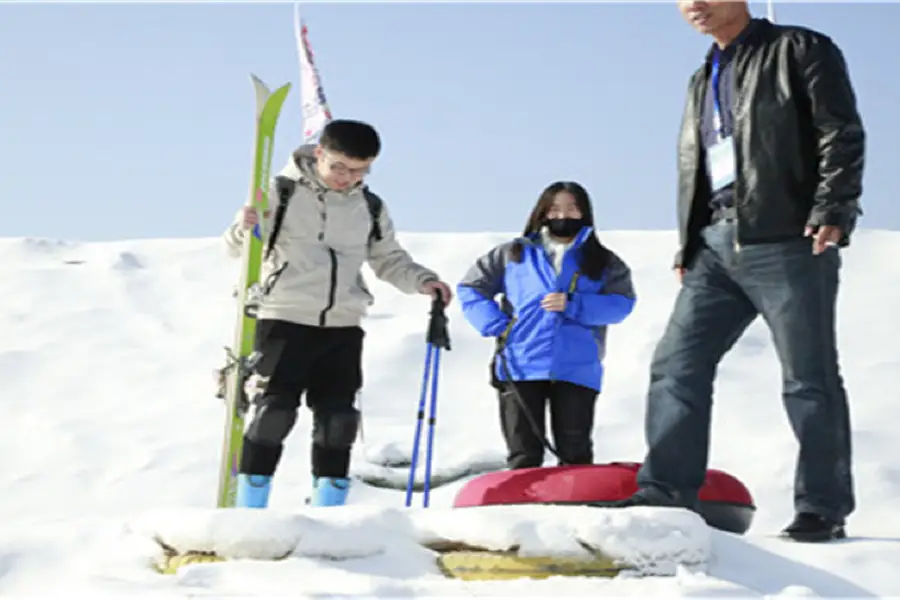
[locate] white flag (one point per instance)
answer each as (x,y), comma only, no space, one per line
(316,113)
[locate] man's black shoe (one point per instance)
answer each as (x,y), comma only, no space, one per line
(810,527)
(645,497)
(634,500)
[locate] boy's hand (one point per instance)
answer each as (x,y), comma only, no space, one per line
(433,288)
(250,217)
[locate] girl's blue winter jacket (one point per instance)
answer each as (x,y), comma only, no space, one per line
(540,344)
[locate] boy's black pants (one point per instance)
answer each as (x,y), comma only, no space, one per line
(323,363)
(571,421)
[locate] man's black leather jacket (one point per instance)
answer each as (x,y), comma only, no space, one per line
(799,141)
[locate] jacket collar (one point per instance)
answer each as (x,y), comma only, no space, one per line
(755,27)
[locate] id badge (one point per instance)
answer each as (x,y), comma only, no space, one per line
(721,163)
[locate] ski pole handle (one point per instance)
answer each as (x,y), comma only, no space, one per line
(438,334)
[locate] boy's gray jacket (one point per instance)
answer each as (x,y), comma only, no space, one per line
(324,239)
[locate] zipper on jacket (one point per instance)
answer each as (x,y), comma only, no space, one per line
(332,287)
(558,323)
(321,235)
(332,255)
(737,76)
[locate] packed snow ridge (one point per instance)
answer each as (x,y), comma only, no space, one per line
(651,541)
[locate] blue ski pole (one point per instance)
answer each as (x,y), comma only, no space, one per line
(420,415)
(438,337)
(432,419)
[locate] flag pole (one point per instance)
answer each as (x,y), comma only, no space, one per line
(771,11)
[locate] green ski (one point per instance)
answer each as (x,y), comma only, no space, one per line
(268,109)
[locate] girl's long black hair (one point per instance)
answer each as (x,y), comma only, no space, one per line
(593,257)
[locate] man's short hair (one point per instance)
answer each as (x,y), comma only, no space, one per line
(354,139)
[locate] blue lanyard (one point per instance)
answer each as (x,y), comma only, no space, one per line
(718,122)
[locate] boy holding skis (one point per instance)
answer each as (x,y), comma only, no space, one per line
(308,328)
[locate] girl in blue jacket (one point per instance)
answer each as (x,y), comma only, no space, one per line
(560,290)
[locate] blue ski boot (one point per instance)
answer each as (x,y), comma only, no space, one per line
(253,490)
(329,491)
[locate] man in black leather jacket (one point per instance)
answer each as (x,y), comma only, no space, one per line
(770,163)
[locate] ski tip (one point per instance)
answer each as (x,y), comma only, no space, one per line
(260,86)
(262,93)
(257,81)
(282,91)
(275,100)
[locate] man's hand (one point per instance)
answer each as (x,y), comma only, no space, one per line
(555,302)
(823,237)
(434,287)
(679,273)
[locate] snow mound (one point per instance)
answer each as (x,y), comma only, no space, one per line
(654,541)
(244,533)
(393,454)
(46,246)
(392,470)
(388,454)
(126,261)
(36,252)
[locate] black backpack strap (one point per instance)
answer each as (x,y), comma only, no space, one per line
(285,189)
(374,202)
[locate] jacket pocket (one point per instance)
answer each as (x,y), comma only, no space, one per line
(360,292)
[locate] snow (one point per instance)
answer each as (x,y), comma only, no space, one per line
(111,437)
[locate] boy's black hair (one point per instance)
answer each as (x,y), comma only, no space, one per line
(354,139)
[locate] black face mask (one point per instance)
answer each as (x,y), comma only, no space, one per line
(564,228)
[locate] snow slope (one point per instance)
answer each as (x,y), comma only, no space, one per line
(111,432)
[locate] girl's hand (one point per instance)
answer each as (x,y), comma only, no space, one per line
(555,302)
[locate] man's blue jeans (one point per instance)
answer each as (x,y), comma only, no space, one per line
(795,292)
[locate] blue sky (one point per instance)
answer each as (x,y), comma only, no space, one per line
(135,120)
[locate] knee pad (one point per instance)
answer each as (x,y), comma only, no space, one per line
(335,430)
(271,425)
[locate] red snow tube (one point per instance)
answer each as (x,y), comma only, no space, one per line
(725,502)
